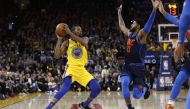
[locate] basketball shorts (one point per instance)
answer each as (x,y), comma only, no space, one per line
(78,74)
(136,73)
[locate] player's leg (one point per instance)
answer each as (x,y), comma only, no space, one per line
(140,87)
(64,89)
(86,79)
(125,83)
(95,90)
(180,79)
(188,100)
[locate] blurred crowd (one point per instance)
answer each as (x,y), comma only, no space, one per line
(27,44)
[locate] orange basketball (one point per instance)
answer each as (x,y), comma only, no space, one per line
(60,30)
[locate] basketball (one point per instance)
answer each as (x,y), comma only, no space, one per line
(60,30)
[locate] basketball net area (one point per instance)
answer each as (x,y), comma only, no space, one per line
(168,34)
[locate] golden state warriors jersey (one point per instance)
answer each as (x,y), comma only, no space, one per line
(77,54)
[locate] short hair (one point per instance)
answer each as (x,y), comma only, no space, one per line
(74,26)
(139,21)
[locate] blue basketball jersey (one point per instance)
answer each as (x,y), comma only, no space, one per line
(134,50)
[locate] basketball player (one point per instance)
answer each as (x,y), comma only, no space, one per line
(132,70)
(184,74)
(76,49)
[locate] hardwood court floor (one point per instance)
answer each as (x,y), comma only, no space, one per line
(108,100)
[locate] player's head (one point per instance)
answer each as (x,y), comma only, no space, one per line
(77,30)
(135,25)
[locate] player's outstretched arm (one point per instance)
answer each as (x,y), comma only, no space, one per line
(83,41)
(145,31)
(60,47)
(168,16)
(122,26)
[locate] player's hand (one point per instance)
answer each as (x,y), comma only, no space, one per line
(120,10)
(155,3)
(179,52)
(67,29)
(161,8)
(59,37)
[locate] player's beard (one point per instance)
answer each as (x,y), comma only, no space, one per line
(132,29)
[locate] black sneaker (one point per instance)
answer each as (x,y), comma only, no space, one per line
(132,108)
(147,93)
(81,107)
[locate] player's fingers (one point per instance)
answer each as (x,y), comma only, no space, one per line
(121,6)
(152,1)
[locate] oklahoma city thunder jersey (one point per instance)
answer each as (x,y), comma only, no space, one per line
(134,50)
(77,54)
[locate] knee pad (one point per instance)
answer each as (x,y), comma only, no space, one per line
(137,92)
(94,87)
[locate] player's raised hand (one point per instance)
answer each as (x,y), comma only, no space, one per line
(155,3)
(161,8)
(120,10)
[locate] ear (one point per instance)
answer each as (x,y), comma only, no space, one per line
(139,26)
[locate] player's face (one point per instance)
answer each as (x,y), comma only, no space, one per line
(78,30)
(134,26)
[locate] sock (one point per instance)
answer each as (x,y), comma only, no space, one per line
(64,88)
(172,102)
(95,90)
(51,104)
(87,102)
(129,106)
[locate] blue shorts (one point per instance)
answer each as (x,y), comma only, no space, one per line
(134,72)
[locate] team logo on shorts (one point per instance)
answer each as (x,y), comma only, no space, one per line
(77,53)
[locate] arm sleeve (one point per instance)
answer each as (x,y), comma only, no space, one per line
(172,19)
(150,21)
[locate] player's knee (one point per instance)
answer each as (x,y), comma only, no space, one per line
(66,84)
(137,95)
(98,88)
(178,81)
(94,86)
(125,83)
(137,92)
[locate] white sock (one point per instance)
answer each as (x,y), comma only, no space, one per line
(172,102)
